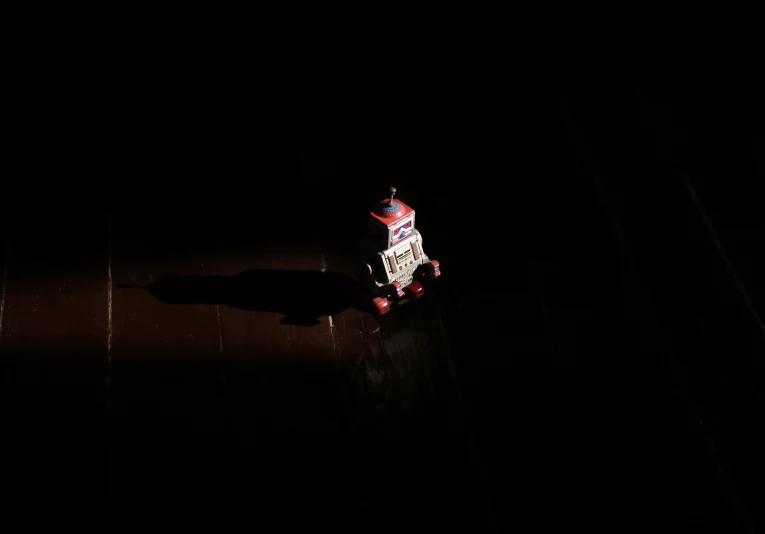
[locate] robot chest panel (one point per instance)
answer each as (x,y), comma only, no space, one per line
(404,278)
(401,263)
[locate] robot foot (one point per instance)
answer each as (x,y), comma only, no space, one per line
(368,302)
(414,290)
(381,305)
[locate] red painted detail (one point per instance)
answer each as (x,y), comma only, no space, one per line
(390,219)
(381,305)
(414,290)
(435,264)
(403,228)
(436,268)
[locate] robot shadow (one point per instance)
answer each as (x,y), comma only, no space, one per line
(303,297)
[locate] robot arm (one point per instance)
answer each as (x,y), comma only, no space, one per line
(364,274)
(431,267)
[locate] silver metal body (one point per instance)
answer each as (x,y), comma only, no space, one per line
(398,263)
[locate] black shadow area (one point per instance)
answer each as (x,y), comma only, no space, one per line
(301,296)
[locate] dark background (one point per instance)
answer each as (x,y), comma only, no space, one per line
(591,357)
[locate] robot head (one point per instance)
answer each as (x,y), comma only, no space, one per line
(391,221)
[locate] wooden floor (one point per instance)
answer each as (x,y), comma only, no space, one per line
(157,362)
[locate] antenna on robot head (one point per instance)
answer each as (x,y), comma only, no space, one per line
(392,192)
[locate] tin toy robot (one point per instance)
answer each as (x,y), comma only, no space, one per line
(392,259)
